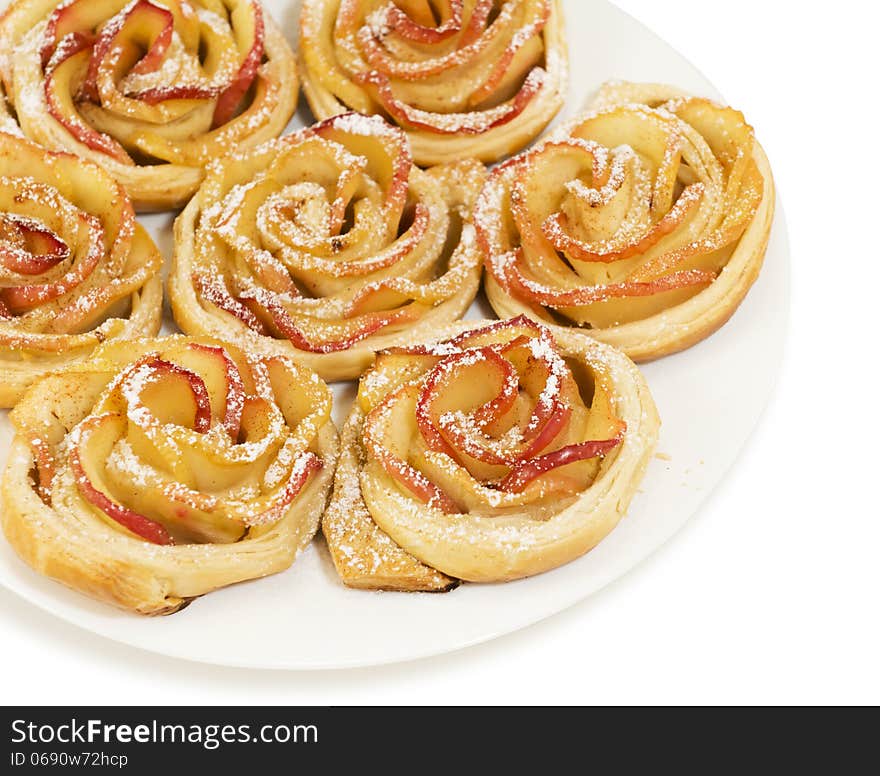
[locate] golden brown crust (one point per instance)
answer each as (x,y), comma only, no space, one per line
(444,517)
(128,481)
(363,554)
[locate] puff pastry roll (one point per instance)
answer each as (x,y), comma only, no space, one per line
(462,77)
(644,221)
(76,269)
(166,468)
(500,452)
(327,245)
(149,89)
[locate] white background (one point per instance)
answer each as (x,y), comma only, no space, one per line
(769,595)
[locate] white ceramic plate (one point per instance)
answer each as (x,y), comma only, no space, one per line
(710,398)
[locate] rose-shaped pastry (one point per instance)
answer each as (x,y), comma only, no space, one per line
(76,269)
(463,77)
(644,221)
(501,452)
(166,468)
(327,245)
(150,89)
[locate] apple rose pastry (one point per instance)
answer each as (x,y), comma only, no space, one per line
(463,77)
(327,245)
(76,269)
(165,469)
(504,451)
(150,89)
(644,222)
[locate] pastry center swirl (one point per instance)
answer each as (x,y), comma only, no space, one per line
(489,421)
(198,447)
